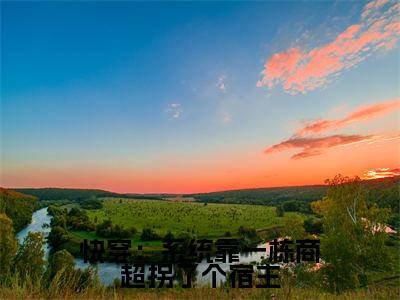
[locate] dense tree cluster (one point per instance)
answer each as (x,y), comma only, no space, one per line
(80,195)
(29,261)
(313,225)
(18,207)
(92,203)
(8,247)
(352,242)
(25,265)
(301,195)
(247,232)
(248,236)
(149,234)
(77,219)
(107,229)
(293,227)
(63,220)
(75,195)
(57,236)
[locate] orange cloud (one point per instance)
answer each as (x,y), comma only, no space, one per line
(381,173)
(299,70)
(362,113)
(312,146)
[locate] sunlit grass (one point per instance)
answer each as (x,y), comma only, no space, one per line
(211,221)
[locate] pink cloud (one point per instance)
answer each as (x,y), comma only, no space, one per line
(362,113)
(311,146)
(299,70)
(371,6)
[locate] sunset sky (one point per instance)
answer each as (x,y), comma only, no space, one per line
(182,97)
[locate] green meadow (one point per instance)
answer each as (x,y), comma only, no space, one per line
(203,220)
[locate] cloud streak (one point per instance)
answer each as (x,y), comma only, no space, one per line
(381,173)
(312,146)
(221,84)
(362,113)
(301,70)
(175,110)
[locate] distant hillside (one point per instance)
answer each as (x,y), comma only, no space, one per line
(78,195)
(67,194)
(147,196)
(265,196)
(383,191)
(17,206)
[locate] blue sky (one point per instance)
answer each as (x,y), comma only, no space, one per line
(128,88)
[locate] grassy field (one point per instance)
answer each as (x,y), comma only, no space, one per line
(211,220)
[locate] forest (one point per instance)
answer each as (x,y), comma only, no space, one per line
(17,206)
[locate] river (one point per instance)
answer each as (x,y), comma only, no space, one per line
(110,271)
(40,219)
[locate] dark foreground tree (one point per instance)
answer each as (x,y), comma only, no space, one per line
(62,275)
(29,262)
(57,236)
(353,239)
(293,227)
(60,261)
(8,246)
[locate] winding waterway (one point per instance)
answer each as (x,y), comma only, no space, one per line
(40,220)
(109,271)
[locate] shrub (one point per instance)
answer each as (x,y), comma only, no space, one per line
(57,236)
(149,234)
(313,225)
(92,203)
(247,232)
(168,237)
(107,229)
